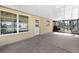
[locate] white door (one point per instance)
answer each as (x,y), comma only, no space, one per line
(37,29)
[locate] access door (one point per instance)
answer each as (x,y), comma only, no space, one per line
(37,27)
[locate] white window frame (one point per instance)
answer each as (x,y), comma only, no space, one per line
(17,23)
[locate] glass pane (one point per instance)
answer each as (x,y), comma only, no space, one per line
(36,23)
(65,26)
(8,23)
(0,22)
(74,27)
(23,23)
(69,26)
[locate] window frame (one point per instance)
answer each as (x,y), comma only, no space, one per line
(27,18)
(16,24)
(11,18)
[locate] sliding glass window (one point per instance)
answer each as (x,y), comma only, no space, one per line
(8,23)
(0,22)
(78,25)
(23,23)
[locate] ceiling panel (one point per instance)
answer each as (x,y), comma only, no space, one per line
(55,12)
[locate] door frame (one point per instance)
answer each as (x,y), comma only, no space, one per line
(35,27)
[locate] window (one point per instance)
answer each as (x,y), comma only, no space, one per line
(36,23)
(23,23)
(0,23)
(8,23)
(70,26)
(78,24)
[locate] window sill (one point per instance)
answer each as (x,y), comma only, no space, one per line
(12,34)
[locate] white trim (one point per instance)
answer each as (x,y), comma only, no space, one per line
(12,34)
(17,23)
(8,34)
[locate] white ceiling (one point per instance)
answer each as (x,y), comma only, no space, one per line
(55,12)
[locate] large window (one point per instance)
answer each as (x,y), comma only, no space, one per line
(23,23)
(8,23)
(70,26)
